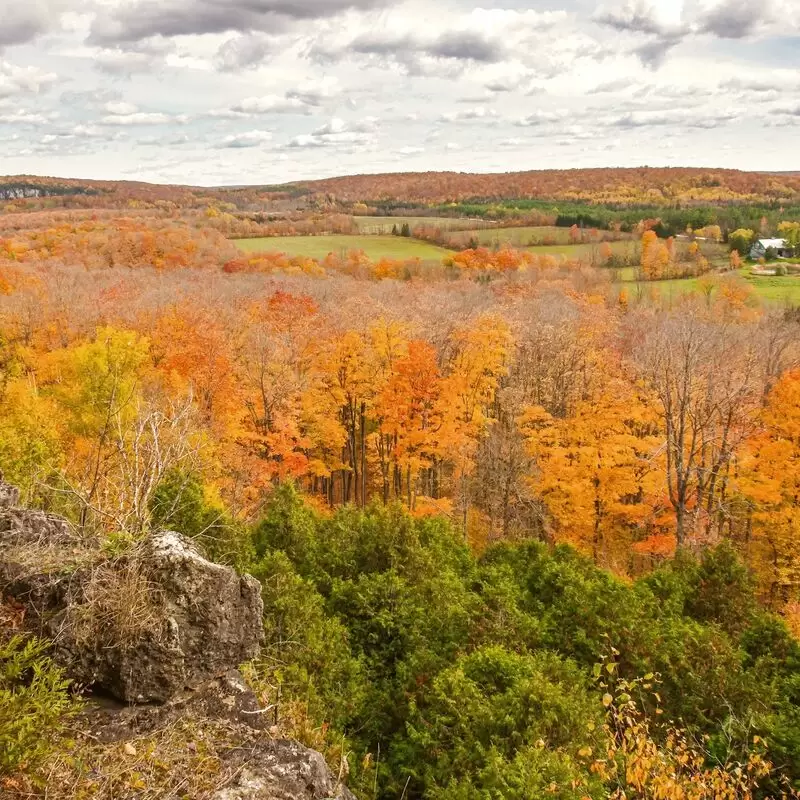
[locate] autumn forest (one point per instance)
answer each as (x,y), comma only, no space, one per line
(584,371)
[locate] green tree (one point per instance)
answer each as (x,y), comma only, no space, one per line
(741,240)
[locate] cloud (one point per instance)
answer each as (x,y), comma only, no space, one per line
(541,117)
(653,54)
(608,87)
(480,112)
(25,20)
(736,19)
(139,118)
(26,117)
(18,80)
(89,132)
(125,62)
(338,132)
(315,92)
(633,16)
(271,104)
(679,118)
(410,151)
(120,108)
(411,50)
(467,46)
(747,85)
(145,18)
(253,138)
(451,45)
(245,52)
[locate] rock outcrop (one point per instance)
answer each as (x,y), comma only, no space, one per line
(158,632)
(282,770)
(143,626)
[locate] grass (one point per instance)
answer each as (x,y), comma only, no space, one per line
(521,237)
(384,225)
(589,253)
(375,247)
(779,290)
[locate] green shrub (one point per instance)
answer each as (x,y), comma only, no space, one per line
(180,503)
(494,707)
(34,703)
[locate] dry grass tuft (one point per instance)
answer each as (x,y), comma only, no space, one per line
(120,605)
(184,759)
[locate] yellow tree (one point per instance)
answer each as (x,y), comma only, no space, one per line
(596,470)
(124,426)
(410,417)
(345,377)
(770,479)
(478,358)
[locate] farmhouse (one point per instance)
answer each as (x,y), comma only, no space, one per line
(781,248)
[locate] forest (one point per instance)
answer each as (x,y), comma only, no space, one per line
(524,529)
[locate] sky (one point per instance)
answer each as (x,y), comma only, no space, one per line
(219,92)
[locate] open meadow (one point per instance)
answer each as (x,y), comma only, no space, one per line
(774,290)
(376,247)
(384,225)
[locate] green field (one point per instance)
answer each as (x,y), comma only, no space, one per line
(375,247)
(520,237)
(384,225)
(781,290)
(589,253)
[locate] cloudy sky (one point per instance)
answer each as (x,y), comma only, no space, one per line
(264,91)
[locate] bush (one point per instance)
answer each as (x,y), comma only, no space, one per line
(34,704)
(180,503)
(495,707)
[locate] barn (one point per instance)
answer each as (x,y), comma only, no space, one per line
(780,247)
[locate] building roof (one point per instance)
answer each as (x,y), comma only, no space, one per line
(775,244)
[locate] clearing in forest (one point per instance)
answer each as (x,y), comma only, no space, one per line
(375,247)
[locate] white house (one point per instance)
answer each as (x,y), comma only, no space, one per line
(780,246)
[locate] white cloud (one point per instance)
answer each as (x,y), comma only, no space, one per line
(121,108)
(254,138)
(479,112)
(271,104)
(18,80)
(149,86)
(138,118)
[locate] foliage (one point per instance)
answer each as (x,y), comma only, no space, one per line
(493,693)
(34,704)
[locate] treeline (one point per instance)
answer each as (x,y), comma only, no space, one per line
(672,220)
(639,185)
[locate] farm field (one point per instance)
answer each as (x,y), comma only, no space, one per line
(384,225)
(319,246)
(520,237)
(781,290)
(589,253)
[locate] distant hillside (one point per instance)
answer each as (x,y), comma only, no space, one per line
(626,187)
(639,185)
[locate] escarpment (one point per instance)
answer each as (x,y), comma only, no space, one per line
(158,632)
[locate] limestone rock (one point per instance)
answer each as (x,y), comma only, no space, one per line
(9,495)
(226,699)
(282,770)
(142,627)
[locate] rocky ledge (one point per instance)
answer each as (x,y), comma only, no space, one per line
(156,635)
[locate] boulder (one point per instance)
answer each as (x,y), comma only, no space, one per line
(9,495)
(282,770)
(141,627)
(226,699)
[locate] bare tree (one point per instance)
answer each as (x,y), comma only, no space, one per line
(708,378)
